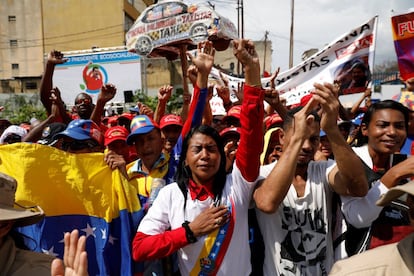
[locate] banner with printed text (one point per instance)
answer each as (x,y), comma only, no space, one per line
(403,35)
(349,60)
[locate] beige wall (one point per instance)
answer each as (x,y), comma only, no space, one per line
(65,25)
(27,31)
(78,24)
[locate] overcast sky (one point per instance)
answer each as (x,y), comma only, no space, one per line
(316,23)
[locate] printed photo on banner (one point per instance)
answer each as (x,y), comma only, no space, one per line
(353,76)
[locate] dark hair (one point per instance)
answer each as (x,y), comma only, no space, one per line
(287,122)
(359,65)
(183,173)
(386,104)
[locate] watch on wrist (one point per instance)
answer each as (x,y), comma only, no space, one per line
(188,233)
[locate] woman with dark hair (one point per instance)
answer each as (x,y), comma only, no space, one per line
(203,216)
(384,130)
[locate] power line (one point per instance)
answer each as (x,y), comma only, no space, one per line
(68,35)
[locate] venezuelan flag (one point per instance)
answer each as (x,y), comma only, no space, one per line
(76,191)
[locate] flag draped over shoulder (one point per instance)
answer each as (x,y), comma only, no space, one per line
(76,191)
(403,35)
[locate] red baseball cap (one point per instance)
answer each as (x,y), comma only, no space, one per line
(303,101)
(230,130)
(233,112)
(126,115)
(272,120)
(171,119)
(115,133)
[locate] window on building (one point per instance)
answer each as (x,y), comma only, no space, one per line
(15,66)
(31,85)
(13,42)
(128,23)
(12,18)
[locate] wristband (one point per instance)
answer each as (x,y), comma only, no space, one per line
(188,233)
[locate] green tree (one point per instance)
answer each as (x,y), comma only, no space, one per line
(386,67)
(174,105)
(17,109)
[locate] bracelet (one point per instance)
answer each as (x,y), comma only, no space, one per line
(188,233)
(255,85)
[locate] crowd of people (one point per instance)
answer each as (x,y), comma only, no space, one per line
(264,189)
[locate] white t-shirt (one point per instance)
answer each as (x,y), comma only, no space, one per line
(362,211)
(297,237)
(168,211)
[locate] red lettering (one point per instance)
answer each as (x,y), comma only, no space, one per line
(354,47)
(405,27)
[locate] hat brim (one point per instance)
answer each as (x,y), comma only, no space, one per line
(141,130)
(229,134)
(108,141)
(395,193)
(76,136)
(170,124)
(22,217)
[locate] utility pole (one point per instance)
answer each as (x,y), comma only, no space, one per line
(265,49)
(240,26)
(291,33)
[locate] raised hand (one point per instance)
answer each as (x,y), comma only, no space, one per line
(205,57)
(56,57)
(246,54)
(74,257)
(186,99)
(192,74)
(145,110)
(55,104)
(272,97)
(326,95)
(107,93)
(273,78)
(230,150)
(164,93)
(224,93)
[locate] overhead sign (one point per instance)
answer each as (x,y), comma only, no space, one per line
(88,72)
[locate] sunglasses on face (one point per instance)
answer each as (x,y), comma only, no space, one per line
(84,101)
(75,145)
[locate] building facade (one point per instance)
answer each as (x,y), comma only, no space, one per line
(31,28)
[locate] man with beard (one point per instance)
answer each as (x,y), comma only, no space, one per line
(294,200)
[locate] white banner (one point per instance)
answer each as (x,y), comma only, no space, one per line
(349,59)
